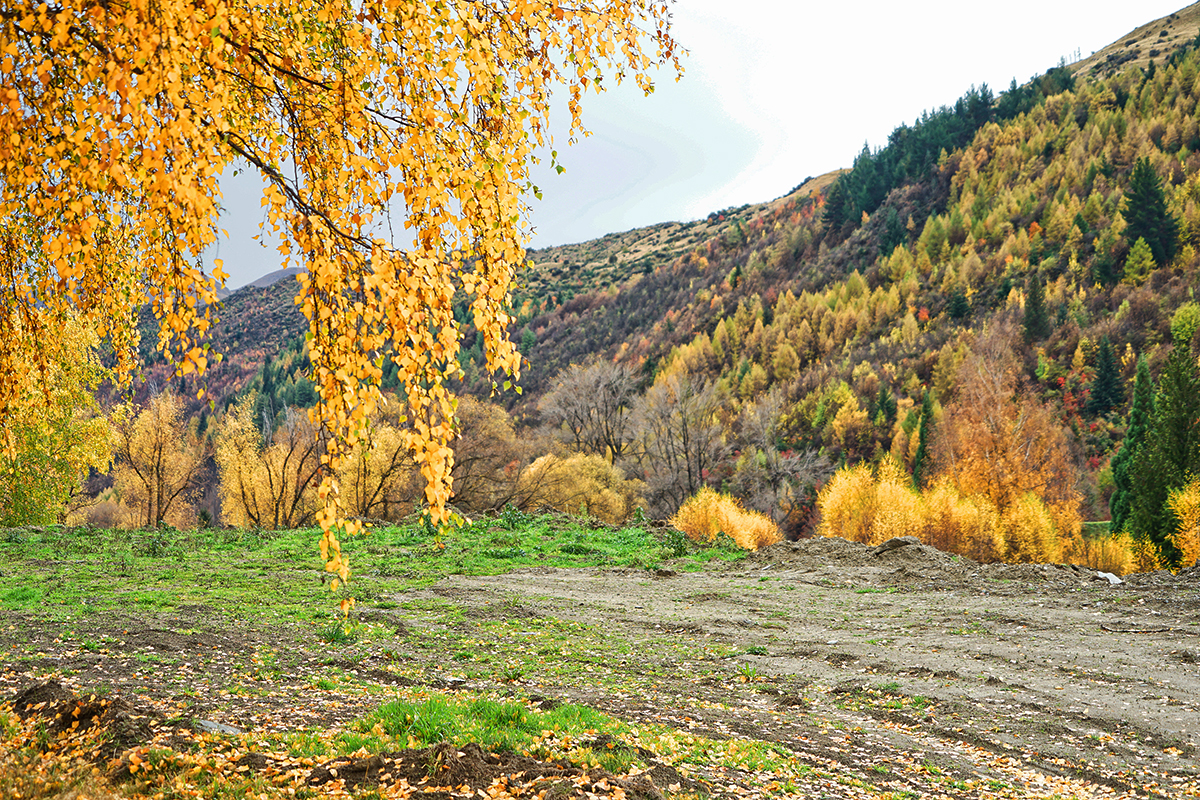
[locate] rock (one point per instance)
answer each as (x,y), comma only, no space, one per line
(895,543)
(208,726)
(1108,576)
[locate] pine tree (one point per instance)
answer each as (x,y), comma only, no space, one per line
(958,306)
(924,431)
(1037,318)
(1172,450)
(1146,214)
(1106,386)
(1140,412)
(1139,263)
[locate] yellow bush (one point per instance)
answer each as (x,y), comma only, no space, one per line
(1113,554)
(848,504)
(1185,505)
(580,482)
(898,509)
(707,514)
(1029,534)
(968,526)
(872,508)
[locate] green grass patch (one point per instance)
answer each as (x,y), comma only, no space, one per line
(21,597)
(493,724)
(278,576)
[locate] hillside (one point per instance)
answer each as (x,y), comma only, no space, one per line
(1003,227)
(612,260)
(1153,41)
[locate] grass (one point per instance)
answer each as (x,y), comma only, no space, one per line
(66,570)
(494,724)
(264,578)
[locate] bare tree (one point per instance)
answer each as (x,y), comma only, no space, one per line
(769,479)
(679,439)
(591,405)
(487,456)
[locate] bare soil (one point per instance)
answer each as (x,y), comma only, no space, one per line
(900,669)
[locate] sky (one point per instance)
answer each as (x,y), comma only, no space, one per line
(775,91)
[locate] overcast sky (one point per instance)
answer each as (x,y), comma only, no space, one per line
(775,91)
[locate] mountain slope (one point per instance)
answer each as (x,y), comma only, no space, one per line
(860,293)
(1152,41)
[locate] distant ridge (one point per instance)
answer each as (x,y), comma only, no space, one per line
(271,278)
(1153,41)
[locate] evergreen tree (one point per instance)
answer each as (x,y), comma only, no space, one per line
(1171,454)
(924,431)
(836,214)
(1139,263)
(1140,412)
(1106,386)
(1146,214)
(958,305)
(884,411)
(1037,317)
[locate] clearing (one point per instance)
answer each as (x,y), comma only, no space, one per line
(815,668)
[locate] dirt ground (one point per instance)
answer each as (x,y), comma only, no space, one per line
(902,668)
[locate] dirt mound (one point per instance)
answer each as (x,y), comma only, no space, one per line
(65,711)
(443,768)
(440,772)
(906,562)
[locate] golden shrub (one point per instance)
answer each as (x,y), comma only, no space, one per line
(969,526)
(1115,554)
(898,509)
(1185,505)
(1029,533)
(848,504)
(581,482)
(707,514)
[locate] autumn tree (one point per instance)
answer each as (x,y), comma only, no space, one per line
(118,118)
(158,460)
(999,442)
(583,483)
(268,479)
(376,477)
(55,434)
(1139,263)
(488,456)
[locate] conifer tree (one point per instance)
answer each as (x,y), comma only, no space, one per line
(1106,386)
(924,431)
(1140,412)
(1146,214)
(1037,318)
(1139,263)
(1172,450)
(958,305)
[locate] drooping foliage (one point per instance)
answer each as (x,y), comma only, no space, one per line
(56,433)
(118,118)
